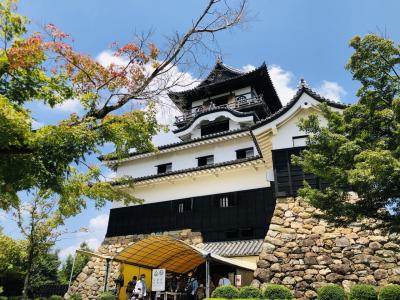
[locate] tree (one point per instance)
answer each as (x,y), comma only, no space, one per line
(39,221)
(44,67)
(12,259)
(359,149)
(80,263)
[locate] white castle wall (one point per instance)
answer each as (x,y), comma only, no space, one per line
(184,159)
(226,181)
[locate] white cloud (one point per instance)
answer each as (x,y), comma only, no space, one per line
(98,224)
(248,68)
(331,90)
(97,227)
(106,58)
(69,106)
(283,83)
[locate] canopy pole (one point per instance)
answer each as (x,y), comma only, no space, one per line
(207,277)
(72,272)
(106,275)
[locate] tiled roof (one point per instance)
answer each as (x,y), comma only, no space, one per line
(291,103)
(234,248)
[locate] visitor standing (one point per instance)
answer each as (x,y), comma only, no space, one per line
(191,287)
(140,290)
(224,280)
(130,287)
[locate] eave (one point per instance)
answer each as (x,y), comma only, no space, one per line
(215,169)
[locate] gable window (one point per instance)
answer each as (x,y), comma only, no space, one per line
(164,168)
(205,160)
(300,141)
(215,127)
(185,206)
(244,153)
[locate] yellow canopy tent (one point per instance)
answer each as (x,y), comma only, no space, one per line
(165,252)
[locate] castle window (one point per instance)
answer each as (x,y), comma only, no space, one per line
(225,201)
(185,206)
(205,160)
(164,168)
(244,153)
(215,127)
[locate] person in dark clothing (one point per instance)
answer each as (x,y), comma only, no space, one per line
(174,284)
(130,287)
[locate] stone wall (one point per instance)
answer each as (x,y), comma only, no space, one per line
(304,252)
(90,282)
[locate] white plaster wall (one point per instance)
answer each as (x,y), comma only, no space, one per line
(184,159)
(217,115)
(286,126)
(286,132)
(227,181)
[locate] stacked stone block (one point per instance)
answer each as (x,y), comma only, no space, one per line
(304,252)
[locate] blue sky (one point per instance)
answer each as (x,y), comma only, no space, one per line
(295,38)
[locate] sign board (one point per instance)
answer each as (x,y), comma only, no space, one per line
(158,280)
(238,280)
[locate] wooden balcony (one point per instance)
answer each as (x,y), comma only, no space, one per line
(241,102)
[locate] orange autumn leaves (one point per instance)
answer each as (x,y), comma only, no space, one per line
(87,75)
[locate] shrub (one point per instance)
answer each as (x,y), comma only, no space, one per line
(3,298)
(390,292)
(276,291)
(107,296)
(331,292)
(227,291)
(250,292)
(363,292)
(56,297)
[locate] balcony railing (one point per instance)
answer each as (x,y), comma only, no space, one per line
(239,103)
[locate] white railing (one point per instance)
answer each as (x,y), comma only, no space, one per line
(240,102)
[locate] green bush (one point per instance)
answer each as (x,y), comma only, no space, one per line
(331,292)
(390,292)
(3,298)
(227,292)
(107,296)
(75,297)
(276,291)
(250,292)
(363,292)
(56,297)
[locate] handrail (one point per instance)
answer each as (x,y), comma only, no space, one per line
(238,104)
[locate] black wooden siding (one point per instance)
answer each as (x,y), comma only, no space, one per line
(248,218)
(289,178)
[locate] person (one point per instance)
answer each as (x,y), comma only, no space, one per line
(174,286)
(201,292)
(192,287)
(119,281)
(224,281)
(130,287)
(140,290)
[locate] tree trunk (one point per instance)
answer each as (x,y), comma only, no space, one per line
(28,273)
